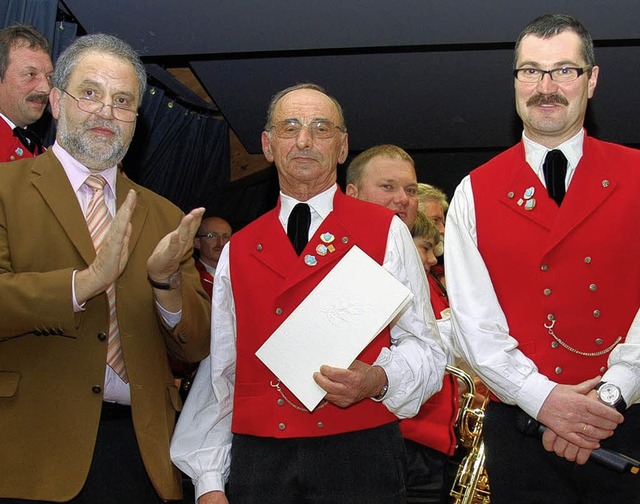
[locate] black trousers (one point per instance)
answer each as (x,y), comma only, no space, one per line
(364,467)
(117,474)
(521,470)
(428,475)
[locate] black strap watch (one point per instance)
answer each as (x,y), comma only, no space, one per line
(610,394)
(173,282)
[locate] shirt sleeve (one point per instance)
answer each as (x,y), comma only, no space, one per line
(415,362)
(624,364)
(480,327)
(201,443)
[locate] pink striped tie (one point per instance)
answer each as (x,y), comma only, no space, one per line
(98,221)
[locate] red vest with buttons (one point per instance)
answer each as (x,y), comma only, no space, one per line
(433,426)
(269,281)
(11,148)
(576,267)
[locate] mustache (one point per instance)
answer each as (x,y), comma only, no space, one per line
(38,97)
(549,99)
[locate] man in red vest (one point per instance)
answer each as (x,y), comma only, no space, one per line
(349,448)
(544,283)
(25,73)
(212,236)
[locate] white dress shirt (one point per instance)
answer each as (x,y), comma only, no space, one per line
(480,326)
(414,363)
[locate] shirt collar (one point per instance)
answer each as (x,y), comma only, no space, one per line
(535,152)
(7,120)
(321,204)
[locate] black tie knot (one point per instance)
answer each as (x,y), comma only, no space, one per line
(298,226)
(555,171)
(29,139)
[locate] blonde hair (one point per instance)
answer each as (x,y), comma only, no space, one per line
(427,192)
(356,167)
(425,228)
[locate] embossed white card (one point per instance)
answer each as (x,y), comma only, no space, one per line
(336,321)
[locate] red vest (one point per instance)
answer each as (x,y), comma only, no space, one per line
(269,281)
(433,426)
(206,278)
(577,266)
(11,149)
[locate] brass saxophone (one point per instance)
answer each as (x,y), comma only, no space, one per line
(471,485)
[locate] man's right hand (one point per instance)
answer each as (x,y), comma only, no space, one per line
(216,497)
(113,256)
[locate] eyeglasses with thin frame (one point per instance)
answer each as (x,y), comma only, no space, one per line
(560,74)
(225,237)
(319,128)
(92,106)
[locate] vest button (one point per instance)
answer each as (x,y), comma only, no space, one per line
(603,369)
(278,311)
(280,402)
(102,336)
(259,247)
(544,267)
(587,260)
(554,344)
(345,239)
(96,389)
(551,316)
(510,195)
(599,341)
(547,292)
(596,313)
(558,370)
(593,287)
(282,426)
(320,425)
(605,183)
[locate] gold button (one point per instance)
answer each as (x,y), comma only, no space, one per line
(547,292)
(593,287)
(278,311)
(282,426)
(320,425)
(558,370)
(603,369)
(596,313)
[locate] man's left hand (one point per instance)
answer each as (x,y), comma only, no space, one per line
(348,386)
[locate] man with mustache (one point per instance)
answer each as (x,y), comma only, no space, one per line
(239,422)
(98,284)
(25,82)
(544,283)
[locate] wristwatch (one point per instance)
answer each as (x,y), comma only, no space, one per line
(173,282)
(610,394)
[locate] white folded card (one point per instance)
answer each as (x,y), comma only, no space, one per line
(336,321)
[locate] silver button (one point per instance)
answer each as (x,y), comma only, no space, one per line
(544,267)
(587,260)
(605,183)
(599,341)
(510,195)
(593,287)
(345,239)
(259,247)
(320,425)
(596,313)
(603,369)
(280,402)
(554,344)
(558,370)
(551,316)
(278,311)
(547,292)
(282,426)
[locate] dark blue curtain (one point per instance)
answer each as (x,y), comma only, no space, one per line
(178,152)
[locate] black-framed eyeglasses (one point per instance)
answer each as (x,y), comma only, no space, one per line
(319,128)
(225,237)
(95,107)
(561,74)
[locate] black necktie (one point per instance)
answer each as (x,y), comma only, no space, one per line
(29,139)
(555,171)
(298,226)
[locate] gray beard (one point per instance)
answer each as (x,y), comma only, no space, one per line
(95,154)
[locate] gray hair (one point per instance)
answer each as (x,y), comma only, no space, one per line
(306,85)
(99,43)
(550,25)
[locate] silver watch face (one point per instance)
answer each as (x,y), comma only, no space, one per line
(609,393)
